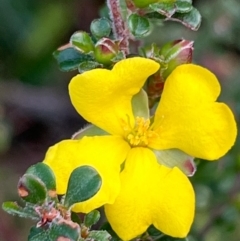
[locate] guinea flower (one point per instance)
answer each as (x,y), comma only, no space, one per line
(144,161)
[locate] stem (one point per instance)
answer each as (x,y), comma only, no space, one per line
(119,28)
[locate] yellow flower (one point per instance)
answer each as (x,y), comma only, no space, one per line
(142,161)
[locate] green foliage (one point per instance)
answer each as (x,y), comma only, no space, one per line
(171,55)
(32,189)
(87,65)
(139,26)
(91,218)
(100,28)
(180,11)
(37,188)
(190,19)
(82,41)
(45,174)
(100,235)
(57,231)
(14,209)
(107,49)
(69,58)
(83,183)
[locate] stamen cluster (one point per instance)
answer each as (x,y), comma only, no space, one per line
(140,134)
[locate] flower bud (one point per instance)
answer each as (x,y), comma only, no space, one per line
(170,56)
(105,50)
(176,53)
(82,41)
(181,50)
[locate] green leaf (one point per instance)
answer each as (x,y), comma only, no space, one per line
(64,229)
(191,20)
(183,6)
(14,209)
(75,217)
(67,230)
(82,41)
(100,28)
(88,65)
(84,183)
(91,218)
(69,58)
(38,234)
(181,11)
(139,26)
(100,235)
(169,8)
(46,175)
(32,189)
(165,8)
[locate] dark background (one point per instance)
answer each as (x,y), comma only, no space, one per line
(35,110)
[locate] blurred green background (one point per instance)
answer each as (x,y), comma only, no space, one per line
(35,110)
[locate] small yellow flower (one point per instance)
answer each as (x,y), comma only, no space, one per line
(142,161)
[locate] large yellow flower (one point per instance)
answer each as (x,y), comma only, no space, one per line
(143,161)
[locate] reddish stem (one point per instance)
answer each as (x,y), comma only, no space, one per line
(119,27)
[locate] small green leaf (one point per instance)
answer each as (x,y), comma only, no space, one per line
(91,218)
(13,209)
(100,28)
(165,8)
(75,217)
(32,189)
(38,234)
(46,175)
(191,20)
(139,26)
(183,6)
(88,65)
(84,183)
(64,229)
(67,230)
(82,41)
(100,235)
(69,58)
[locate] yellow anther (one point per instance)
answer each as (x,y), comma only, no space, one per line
(139,135)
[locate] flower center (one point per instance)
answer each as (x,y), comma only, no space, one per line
(140,134)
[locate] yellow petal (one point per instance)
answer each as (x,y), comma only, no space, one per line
(105,154)
(151,194)
(103,97)
(189,119)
